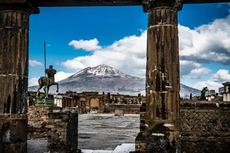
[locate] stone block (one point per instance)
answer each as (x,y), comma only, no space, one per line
(19,147)
(13,128)
(119,112)
(13,133)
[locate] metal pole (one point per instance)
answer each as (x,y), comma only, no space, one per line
(45,56)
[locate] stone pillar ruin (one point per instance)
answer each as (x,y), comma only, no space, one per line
(14,27)
(162,77)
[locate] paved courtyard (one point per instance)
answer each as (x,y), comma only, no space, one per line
(99,132)
(106,131)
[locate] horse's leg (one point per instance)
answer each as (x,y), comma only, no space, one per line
(55,83)
(45,87)
(38,91)
(47,93)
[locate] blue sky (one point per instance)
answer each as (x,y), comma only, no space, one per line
(78,37)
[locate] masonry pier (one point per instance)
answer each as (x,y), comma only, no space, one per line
(162,77)
(14,27)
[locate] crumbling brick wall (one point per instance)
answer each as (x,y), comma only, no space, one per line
(37,122)
(205,127)
(63,136)
(59,127)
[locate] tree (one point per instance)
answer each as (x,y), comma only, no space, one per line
(190,95)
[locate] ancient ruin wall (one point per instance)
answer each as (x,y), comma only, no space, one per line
(205,127)
(13,129)
(63,136)
(59,127)
(37,122)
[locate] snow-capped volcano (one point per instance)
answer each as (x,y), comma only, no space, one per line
(100,70)
(104,78)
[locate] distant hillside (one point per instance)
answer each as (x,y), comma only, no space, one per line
(105,78)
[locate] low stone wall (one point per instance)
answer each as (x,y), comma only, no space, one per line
(37,122)
(63,136)
(205,127)
(140,141)
(126,108)
(58,126)
(13,130)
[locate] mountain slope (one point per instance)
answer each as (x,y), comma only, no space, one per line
(100,78)
(186,90)
(105,78)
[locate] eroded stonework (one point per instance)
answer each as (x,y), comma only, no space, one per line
(205,127)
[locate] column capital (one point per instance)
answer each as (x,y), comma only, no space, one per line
(18,5)
(151,4)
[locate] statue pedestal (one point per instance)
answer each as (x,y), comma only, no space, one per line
(44,102)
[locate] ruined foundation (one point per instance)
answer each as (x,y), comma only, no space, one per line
(13,133)
(59,127)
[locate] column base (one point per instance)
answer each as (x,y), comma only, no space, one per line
(18,147)
(162,140)
(13,133)
(140,143)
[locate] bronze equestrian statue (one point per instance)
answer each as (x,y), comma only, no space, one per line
(46,82)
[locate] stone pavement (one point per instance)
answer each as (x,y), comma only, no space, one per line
(106,133)
(124,148)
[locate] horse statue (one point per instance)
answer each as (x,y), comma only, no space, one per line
(46,82)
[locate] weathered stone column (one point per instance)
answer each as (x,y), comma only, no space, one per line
(162,77)
(14,27)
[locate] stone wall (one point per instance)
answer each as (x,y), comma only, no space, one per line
(13,129)
(205,127)
(58,126)
(37,122)
(140,141)
(126,108)
(63,136)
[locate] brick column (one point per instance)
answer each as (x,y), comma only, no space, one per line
(162,77)
(14,27)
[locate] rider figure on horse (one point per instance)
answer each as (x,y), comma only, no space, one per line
(47,81)
(50,73)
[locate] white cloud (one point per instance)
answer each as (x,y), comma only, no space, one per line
(127,54)
(33,81)
(187,66)
(88,45)
(197,73)
(34,63)
(58,77)
(62,75)
(207,43)
(215,81)
(210,84)
(221,76)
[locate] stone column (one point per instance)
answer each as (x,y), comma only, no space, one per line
(162,77)
(14,27)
